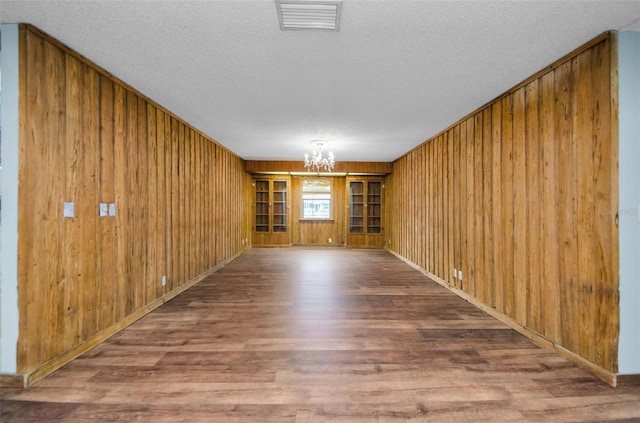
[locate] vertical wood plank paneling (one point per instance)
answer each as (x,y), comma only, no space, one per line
(413,201)
(467,275)
(532,204)
(200,225)
(520,276)
(462,203)
(142,201)
(567,204)
(550,242)
(88,169)
(455,212)
(478,266)
(121,199)
(107,273)
(152,232)
(520,188)
(417,188)
(28,142)
(608,326)
(205,204)
(426,210)
(176,247)
(439,206)
(604,283)
(35,226)
(190,245)
(195,203)
(219,201)
(486,279)
(160,203)
(450,211)
(429,209)
(584,135)
(446,228)
(54,101)
(132,171)
(506,209)
(183,198)
(497,231)
(88,138)
(195,212)
(422,194)
(73,148)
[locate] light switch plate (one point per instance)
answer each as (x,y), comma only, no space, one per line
(103,210)
(69,209)
(112,209)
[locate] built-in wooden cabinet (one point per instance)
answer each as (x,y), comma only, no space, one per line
(364,209)
(272,211)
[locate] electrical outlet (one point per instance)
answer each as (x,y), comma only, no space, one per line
(103,210)
(330,241)
(460,274)
(455,274)
(164,280)
(68,209)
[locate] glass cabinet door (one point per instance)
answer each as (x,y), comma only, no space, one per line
(374,204)
(356,207)
(271,206)
(279,206)
(262,206)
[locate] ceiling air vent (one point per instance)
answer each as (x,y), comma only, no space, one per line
(309,15)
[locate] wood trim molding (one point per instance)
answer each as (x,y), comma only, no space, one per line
(12,381)
(628,380)
(287,166)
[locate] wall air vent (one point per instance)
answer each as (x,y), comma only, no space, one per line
(305,15)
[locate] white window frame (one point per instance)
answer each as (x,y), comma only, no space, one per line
(317,192)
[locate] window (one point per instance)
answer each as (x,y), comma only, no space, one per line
(316,199)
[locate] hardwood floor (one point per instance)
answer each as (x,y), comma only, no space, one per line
(319,335)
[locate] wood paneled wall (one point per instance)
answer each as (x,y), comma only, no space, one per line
(318,232)
(354,168)
(88,138)
(517,196)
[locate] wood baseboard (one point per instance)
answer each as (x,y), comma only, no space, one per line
(45,369)
(599,372)
(604,375)
(628,380)
(11,381)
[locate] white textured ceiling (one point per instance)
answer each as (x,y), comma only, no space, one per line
(395,74)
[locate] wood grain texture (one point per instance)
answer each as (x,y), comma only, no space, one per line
(88,138)
(368,238)
(318,232)
(356,168)
(541,166)
(266,339)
